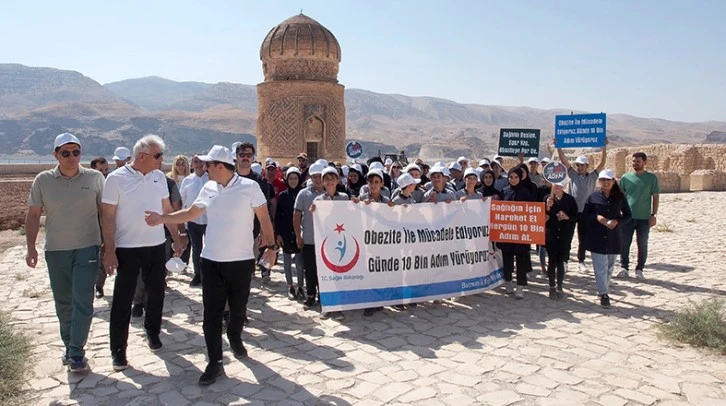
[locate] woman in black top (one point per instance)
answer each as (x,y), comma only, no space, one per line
(355,180)
(517,192)
(559,229)
(285,235)
(487,188)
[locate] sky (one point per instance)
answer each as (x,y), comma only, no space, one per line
(647,58)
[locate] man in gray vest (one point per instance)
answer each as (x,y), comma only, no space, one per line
(70,196)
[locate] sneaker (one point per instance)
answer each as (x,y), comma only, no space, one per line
(153,341)
(265,275)
(559,289)
(369,312)
(399,307)
(196,281)
(520,293)
(582,267)
(639,275)
(605,301)
(553,293)
(238,349)
(99,293)
(78,364)
(213,371)
(119,360)
(337,316)
(300,293)
(623,274)
(291,293)
(510,287)
(137,311)
(310,302)
(65,359)
(324,316)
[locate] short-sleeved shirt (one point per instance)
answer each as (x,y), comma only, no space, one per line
(189,189)
(639,190)
(440,196)
(400,199)
(581,186)
(230,212)
(367,196)
(303,201)
(133,193)
(71,208)
(461,193)
(366,190)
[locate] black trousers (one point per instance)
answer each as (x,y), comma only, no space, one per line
(524,265)
(311,270)
(224,282)
(149,262)
(196,233)
(556,265)
(581,233)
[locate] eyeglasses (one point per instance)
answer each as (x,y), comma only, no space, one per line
(75,152)
(156,155)
(245,155)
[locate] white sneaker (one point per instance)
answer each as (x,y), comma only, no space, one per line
(583,267)
(510,287)
(623,274)
(639,275)
(520,293)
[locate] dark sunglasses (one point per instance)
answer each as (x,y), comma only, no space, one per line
(75,152)
(156,155)
(245,155)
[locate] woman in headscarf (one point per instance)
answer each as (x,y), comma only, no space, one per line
(487,188)
(356,180)
(559,229)
(285,235)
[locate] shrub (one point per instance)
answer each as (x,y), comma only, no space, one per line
(700,325)
(14,361)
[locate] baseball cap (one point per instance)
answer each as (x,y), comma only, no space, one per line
(374,172)
(256,168)
(484,162)
(271,164)
(479,171)
(302,155)
(389,161)
(322,162)
(330,170)
(217,153)
(438,169)
(533,159)
(560,184)
(235,145)
(357,168)
(411,167)
(121,154)
(498,158)
(470,171)
(582,160)
(292,169)
(545,160)
(606,174)
(455,166)
(344,169)
(405,180)
(462,158)
(376,165)
(497,163)
(66,138)
(316,169)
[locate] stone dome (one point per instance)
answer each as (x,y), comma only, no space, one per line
(300,48)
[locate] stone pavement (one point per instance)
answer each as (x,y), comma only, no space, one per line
(486,349)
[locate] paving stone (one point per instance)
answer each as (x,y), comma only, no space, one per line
(420,393)
(612,400)
(499,398)
(391,391)
(635,395)
(528,389)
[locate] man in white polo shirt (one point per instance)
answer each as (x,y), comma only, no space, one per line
(130,246)
(230,203)
(190,188)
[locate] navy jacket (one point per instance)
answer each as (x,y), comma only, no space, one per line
(283,219)
(519,193)
(600,239)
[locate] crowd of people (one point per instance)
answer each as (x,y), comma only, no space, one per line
(145,218)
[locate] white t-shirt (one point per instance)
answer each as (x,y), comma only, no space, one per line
(133,193)
(230,215)
(189,190)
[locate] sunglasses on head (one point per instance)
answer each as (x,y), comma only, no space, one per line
(156,155)
(75,152)
(245,155)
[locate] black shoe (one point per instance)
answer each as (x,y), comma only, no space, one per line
(238,349)
(152,340)
(399,307)
(291,293)
(213,371)
(605,301)
(559,288)
(99,293)
(553,293)
(196,281)
(369,312)
(119,360)
(300,294)
(137,311)
(310,302)
(413,305)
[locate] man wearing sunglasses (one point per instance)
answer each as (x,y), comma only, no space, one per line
(130,246)
(70,196)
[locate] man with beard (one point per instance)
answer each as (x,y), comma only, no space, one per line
(302,164)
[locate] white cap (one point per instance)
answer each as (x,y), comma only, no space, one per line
(256,168)
(235,145)
(545,160)
(328,170)
(497,163)
(322,162)
(582,160)
(268,161)
(374,172)
(121,154)
(389,161)
(606,174)
(479,171)
(344,169)
(533,159)
(66,138)
(316,169)
(471,171)
(484,162)
(439,169)
(455,166)
(292,169)
(405,180)
(560,184)
(410,167)
(356,167)
(217,153)
(439,163)
(376,165)
(498,158)
(462,158)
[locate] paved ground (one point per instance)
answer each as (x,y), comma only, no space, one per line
(487,349)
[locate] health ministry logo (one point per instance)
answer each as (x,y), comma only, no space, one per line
(337,264)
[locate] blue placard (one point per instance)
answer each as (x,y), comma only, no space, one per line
(580,130)
(354,149)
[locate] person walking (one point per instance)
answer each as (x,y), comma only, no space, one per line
(559,230)
(643,193)
(302,224)
(70,197)
(606,210)
(471,179)
(131,247)
(100,164)
(189,190)
(285,234)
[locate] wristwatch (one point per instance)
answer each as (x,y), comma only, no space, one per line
(654,214)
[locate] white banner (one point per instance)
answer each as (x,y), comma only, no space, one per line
(376,255)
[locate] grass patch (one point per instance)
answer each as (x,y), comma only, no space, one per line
(664,227)
(14,362)
(701,325)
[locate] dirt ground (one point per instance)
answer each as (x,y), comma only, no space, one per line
(14,198)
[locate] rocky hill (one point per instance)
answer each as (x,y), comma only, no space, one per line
(37,103)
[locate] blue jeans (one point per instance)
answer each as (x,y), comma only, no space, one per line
(604,265)
(72,277)
(196,232)
(642,231)
(542,256)
(299,267)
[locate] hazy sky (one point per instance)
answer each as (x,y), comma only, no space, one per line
(648,58)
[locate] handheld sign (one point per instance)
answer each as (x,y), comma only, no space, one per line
(513,141)
(354,149)
(554,172)
(580,130)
